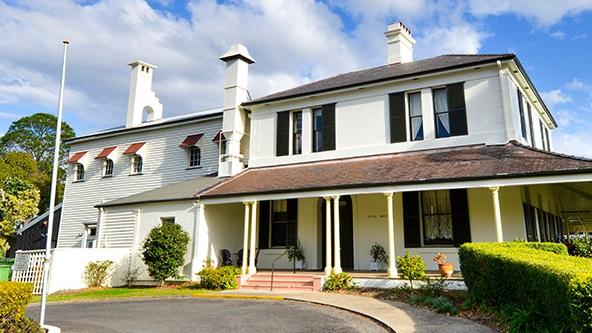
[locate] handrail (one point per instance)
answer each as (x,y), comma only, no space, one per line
(273,268)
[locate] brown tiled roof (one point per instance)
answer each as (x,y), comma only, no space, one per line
(387,72)
(436,165)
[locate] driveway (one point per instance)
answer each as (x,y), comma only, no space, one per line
(202,315)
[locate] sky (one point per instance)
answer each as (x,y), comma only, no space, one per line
(293,42)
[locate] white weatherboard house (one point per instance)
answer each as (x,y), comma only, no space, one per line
(418,155)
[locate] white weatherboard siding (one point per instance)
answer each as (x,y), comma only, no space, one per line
(118,228)
(164,163)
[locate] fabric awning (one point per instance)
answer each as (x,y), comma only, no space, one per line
(133,148)
(190,140)
(105,152)
(76,157)
(218,137)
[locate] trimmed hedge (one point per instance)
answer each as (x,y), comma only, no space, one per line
(555,287)
(221,278)
(14,297)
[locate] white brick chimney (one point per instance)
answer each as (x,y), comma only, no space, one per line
(237,60)
(399,44)
(142,99)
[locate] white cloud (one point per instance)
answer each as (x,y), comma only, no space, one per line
(574,143)
(467,39)
(577,85)
(555,97)
(559,35)
(543,13)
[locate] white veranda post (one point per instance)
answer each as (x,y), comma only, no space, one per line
(336,237)
(327,235)
(245,238)
(392,267)
(497,214)
(252,269)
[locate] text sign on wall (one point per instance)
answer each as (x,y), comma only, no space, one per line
(21,262)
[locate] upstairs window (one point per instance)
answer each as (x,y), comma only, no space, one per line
(194,156)
(317,129)
(547,139)
(323,128)
(79,172)
(283,134)
(108,167)
(415,116)
(90,236)
(137,164)
(522,116)
(450,111)
(530,125)
(543,137)
(297,132)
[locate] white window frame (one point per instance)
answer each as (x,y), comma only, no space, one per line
(291,129)
(77,173)
(105,163)
(88,237)
(189,150)
(408,113)
(133,170)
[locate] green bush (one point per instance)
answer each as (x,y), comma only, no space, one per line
(96,272)
(440,304)
(14,297)
(341,281)
(553,289)
(164,251)
(221,278)
(582,247)
(411,267)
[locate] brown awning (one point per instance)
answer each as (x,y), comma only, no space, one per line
(218,137)
(105,152)
(76,157)
(472,162)
(133,148)
(191,140)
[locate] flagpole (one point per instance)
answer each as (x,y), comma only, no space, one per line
(54,183)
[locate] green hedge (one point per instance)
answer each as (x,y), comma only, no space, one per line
(14,297)
(221,278)
(555,289)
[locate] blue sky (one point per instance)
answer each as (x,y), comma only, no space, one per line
(293,42)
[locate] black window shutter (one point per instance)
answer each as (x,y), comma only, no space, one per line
(283,133)
(397,117)
(530,123)
(411,227)
(328,127)
(521,111)
(263,224)
(461,227)
(292,227)
(457,109)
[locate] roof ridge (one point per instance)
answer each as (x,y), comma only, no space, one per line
(552,153)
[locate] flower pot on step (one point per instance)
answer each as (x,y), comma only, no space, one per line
(446,269)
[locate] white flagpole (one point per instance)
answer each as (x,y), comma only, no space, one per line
(54,183)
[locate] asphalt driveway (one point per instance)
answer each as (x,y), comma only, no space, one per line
(202,315)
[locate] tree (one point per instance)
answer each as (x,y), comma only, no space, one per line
(164,251)
(18,202)
(36,135)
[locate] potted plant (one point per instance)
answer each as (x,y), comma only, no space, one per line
(446,268)
(296,256)
(379,257)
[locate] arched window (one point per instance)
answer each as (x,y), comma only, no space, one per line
(194,156)
(79,172)
(137,164)
(108,168)
(147,114)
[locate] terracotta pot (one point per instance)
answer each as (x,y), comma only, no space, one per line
(446,269)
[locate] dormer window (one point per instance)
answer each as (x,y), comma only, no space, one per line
(137,164)
(79,172)
(108,167)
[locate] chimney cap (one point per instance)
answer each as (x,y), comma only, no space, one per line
(143,63)
(396,28)
(237,51)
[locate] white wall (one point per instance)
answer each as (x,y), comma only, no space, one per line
(164,163)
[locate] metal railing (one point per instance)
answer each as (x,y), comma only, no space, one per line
(273,267)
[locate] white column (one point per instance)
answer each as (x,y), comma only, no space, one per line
(252,269)
(336,240)
(497,214)
(195,256)
(392,267)
(245,237)
(327,235)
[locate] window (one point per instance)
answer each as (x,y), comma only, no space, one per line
(194,156)
(436,218)
(79,172)
(442,116)
(137,164)
(90,236)
(297,132)
(278,223)
(167,220)
(530,124)
(543,136)
(522,116)
(415,116)
(108,167)
(317,129)
(397,117)
(283,134)
(547,139)
(450,111)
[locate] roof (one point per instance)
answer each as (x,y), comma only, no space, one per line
(386,73)
(133,148)
(436,165)
(76,157)
(105,152)
(38,219)
(191,140)
(184,190)
(206,114)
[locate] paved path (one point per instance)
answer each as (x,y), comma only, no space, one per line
(172,315)
(400,317)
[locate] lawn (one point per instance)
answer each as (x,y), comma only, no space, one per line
(119,293)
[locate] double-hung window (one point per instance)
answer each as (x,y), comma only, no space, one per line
(415,116)
(317,129)
(107,167)
(530,125)
(90,236)
(522,116)
(137,164)
(297,132)
(194,154)
(450,110)
(79,172)
(436,216)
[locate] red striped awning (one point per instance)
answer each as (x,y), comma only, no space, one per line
(218,137)
(76,157)
(191,140)
(105,152)
(133,148)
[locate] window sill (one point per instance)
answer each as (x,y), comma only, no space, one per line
(78,181)
(193,167)
(107,176)
(136,174)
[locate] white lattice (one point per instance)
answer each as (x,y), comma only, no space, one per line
(34,272)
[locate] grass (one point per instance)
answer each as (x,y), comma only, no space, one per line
(120,293)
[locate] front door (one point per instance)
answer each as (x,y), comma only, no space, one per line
(346,228)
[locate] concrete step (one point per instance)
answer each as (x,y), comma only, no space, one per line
(280,283)
(281,278)
(278,288)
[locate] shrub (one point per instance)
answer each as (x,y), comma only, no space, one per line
(582,247)
(14,297)
(554,289)
(378,254)
(440,304)
(433,287)
(164,251)
(411,267)
(96,272)
(341,281)
(221,278)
